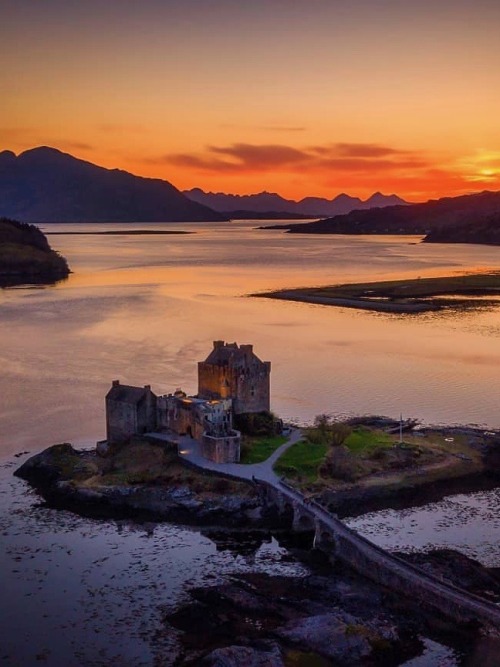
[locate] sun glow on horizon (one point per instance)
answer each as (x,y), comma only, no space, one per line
(302,99)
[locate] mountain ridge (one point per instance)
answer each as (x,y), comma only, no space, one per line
(272,202)
(44,184)
(447,213)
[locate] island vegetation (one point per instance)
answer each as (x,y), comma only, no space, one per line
(402,296)
(26,256)
(366,459)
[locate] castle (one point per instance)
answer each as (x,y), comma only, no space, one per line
(231,381)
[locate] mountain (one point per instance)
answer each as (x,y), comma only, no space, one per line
(46,185)
(270,202)
(448,213)
(26,256)
(485,231)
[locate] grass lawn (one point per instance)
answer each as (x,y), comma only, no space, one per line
(302,459)
(364,440)
(258,449)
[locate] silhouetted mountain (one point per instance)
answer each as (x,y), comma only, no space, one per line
(267,215)
(485,232)
(46,185)
(270,202)
(449,213)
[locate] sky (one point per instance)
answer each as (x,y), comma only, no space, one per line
(299,97)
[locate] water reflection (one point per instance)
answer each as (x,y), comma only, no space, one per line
(146,308)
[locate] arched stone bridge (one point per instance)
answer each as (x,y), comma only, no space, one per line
(338,541)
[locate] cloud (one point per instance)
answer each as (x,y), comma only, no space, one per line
(272,155)
(264,128)
(366,150)
(282,128)
(243,158)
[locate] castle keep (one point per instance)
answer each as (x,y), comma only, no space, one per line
(231,380)
(235,372)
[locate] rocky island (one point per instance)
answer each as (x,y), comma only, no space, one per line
(26,256)
(178,458)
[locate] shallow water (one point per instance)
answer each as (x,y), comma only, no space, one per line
(79,591)
(469,523)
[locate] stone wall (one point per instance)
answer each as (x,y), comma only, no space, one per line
(249,386)
(121,421)
(221,450)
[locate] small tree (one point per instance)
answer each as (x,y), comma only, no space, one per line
(338,433)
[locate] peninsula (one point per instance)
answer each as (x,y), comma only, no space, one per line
(435,216)
(26,256)
(416,295)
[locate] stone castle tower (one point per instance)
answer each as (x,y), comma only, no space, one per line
(232,371)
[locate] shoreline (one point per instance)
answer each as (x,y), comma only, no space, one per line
(179,491)
(302,297)
(131,232)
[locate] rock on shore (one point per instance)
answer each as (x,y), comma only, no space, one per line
(139,479)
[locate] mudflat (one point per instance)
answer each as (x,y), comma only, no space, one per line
(402,296)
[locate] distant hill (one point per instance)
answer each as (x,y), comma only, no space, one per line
(270,202)
(448,213)
(46,185)
(26,256)
(267,215)
(485,231)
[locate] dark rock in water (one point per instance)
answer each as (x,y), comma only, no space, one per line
(323,620)
(339,636)
(459,570)
(59,462)
(244,656)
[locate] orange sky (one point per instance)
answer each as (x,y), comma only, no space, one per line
(300,97)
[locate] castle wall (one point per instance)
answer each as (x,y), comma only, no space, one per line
(125,419)
(222,450)
(247,383)
(253,389)
(121,421)
(146,414)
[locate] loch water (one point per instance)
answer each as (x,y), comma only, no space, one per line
(145,309)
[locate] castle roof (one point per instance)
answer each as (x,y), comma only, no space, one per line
(230,354)
(124,393)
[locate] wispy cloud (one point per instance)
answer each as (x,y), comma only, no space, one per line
(340,157)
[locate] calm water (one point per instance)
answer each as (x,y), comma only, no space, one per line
(145,310)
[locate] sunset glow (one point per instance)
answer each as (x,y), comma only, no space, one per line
(297,97)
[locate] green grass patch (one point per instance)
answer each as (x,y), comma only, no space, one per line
(301,460)
(364,440)
(258,449)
